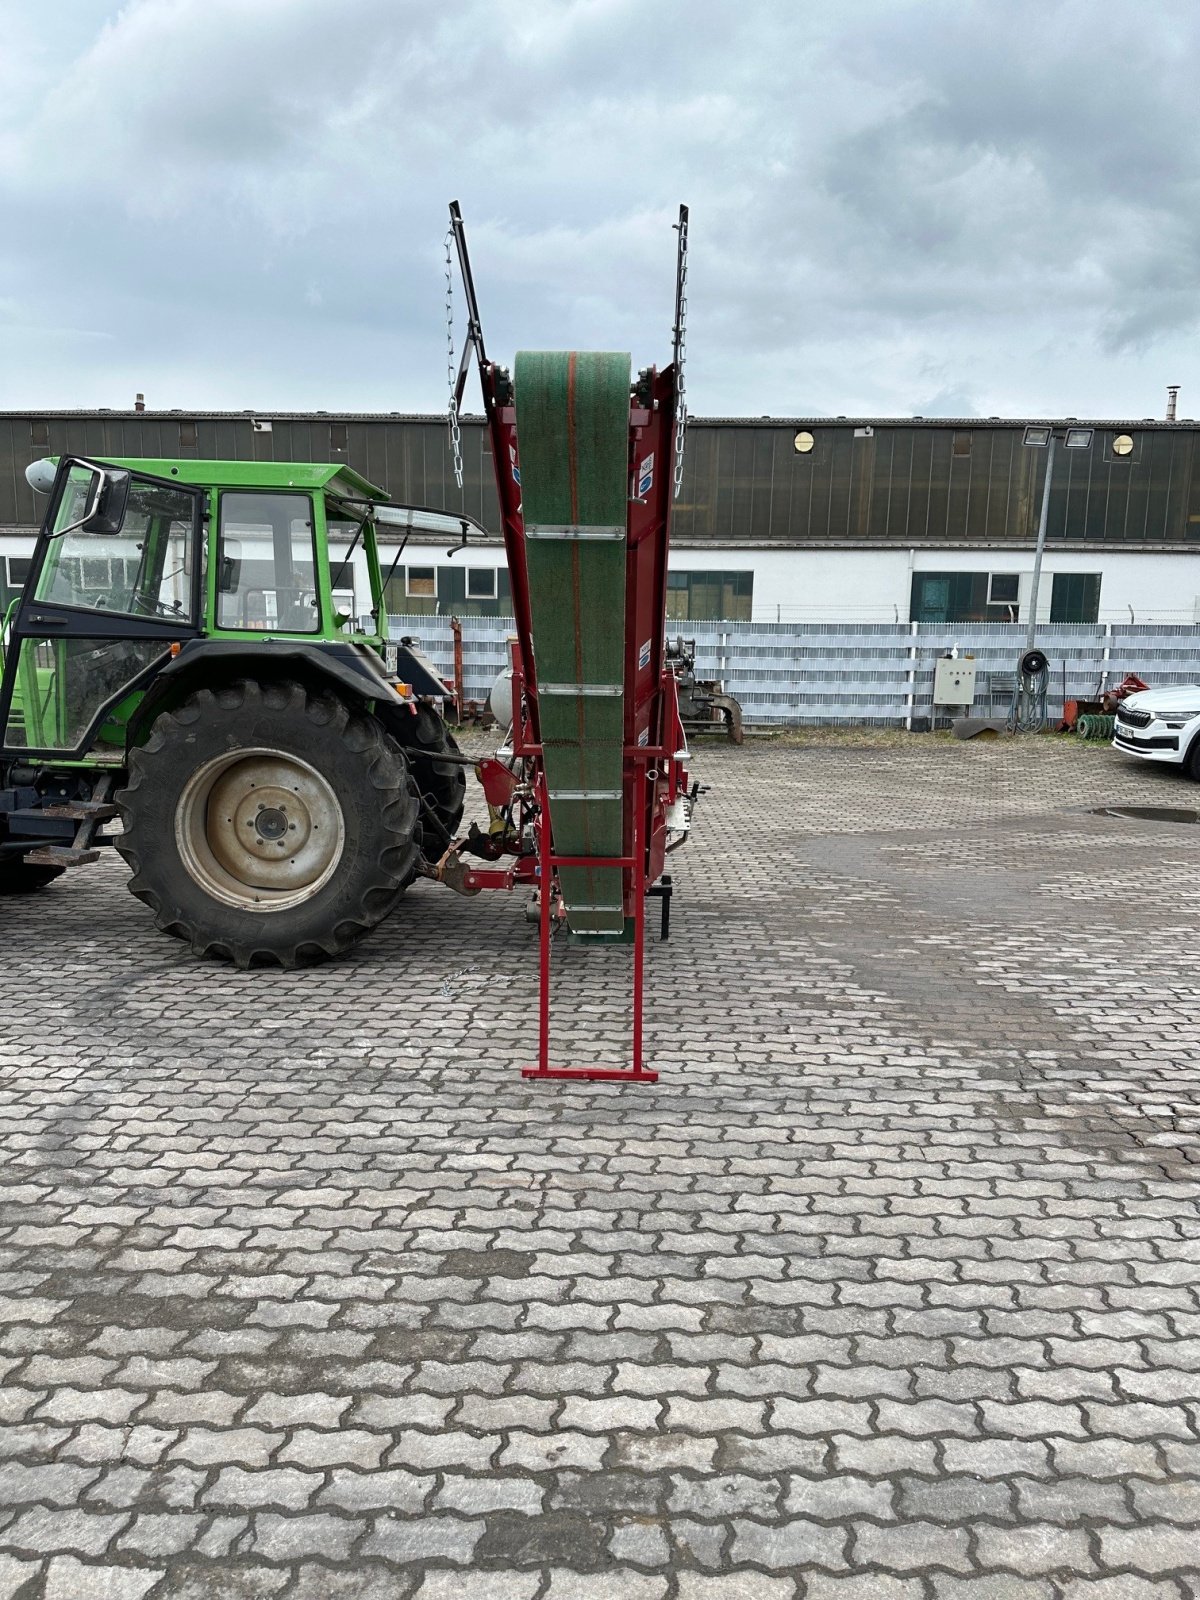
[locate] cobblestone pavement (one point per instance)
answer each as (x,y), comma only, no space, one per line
(887,1291)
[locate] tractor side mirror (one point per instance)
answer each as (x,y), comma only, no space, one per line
(107,501)
(229,574)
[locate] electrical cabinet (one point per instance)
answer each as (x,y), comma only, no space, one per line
(953,683)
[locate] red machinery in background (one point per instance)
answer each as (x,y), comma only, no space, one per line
(520,848)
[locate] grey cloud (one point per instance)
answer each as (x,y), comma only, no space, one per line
(897,206)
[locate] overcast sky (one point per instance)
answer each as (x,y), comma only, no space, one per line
(932,207)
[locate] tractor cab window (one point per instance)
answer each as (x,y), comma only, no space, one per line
(266,576)
(142,570)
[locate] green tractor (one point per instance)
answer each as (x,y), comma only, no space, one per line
(181,656)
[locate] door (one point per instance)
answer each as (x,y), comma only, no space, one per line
(114,583)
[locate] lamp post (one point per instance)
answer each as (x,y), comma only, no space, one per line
(1043,437)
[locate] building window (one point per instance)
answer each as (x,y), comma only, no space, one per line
(710,596)
(39,435)
(339,437)
(960,597)
(18,570)
(804,442)
(1003,589)
(962,444)
(1075,597)
(187,435)
(481,583)
(422,583)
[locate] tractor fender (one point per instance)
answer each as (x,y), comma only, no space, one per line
(355,671)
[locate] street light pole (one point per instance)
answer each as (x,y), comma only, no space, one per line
(1041,545)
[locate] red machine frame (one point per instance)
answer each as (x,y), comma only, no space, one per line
(655,775)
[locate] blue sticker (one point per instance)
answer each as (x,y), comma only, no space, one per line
(644,656)
(646,475)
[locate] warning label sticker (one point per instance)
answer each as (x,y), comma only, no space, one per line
(644,656)
(645,477)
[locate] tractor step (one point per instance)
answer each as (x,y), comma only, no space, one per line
(60,855)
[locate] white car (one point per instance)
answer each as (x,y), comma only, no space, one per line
(1162,725)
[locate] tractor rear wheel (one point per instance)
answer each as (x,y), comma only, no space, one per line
(23,877)
(442,784)
(268,823)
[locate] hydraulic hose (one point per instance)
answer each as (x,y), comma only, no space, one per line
(1028,712)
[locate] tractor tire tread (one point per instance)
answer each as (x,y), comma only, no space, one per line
(381,873)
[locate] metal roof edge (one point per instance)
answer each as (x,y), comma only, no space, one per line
(179,414)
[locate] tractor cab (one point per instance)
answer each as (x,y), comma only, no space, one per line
(140,559)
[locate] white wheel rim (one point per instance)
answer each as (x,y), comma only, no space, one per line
(259,829)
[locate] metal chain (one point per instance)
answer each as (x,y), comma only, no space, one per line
(452,409)
(680,384)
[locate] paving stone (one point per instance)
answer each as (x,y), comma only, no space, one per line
(292,1411)
(655,1452)
(291,1538)
(862,1586)
(1035,1548)
(311,1447)
(997,1586)
(1069,1500)
(40,1530)
(71,1579)
(744,1585)
(55,1484)
(996,1458)
(479,1496)
(789,1544)
(961,1499)
(472,1586)
(837,1498)
(721,1496)
(314,1580)
(564,1585)
(1152,1548)
(286,1487)
(1126,1587)
(413,1449)
(912,1547)
(247,1447)
(557,1536)
(544,1452)
(395,1491)
(418,1539)
(642,1543)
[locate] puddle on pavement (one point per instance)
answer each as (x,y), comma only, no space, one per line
(1145,813)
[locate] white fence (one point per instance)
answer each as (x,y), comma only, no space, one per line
(791,672)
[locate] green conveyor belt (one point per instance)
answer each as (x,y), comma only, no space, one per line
(573,433)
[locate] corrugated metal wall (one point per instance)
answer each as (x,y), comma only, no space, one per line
(881,673)
(744,483)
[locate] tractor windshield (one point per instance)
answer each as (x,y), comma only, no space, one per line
(142,570)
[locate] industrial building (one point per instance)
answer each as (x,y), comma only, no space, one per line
(803,519)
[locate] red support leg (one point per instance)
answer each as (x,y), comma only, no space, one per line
(635,864)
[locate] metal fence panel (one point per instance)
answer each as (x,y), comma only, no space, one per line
(793,673)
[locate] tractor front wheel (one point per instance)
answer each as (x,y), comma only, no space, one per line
(268,823)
